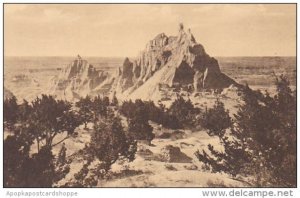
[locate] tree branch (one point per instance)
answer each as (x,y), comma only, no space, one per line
(68,136)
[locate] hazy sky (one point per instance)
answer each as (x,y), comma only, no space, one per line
(124,30)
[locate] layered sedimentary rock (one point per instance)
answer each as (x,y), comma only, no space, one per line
(167,64)
(175,62)
(79,79)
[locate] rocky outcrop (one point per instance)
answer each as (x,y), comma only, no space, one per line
(175,62)
(173,154)
(127,75)
(79,79)
(167,64)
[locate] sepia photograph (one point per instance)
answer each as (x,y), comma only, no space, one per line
(149,95)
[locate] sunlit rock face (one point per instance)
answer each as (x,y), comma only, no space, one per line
(173,61)
(167,62)
(79,79)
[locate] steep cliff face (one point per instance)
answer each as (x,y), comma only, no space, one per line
(167,64)
(79,79)
(175,62)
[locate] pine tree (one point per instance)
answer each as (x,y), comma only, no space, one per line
(99,108)
(139,127)
(85,110)
(24,170)
(109,142)
(50,117)
(10,112)
(106,101)
(140,130)
(40,121)
(114,101)
(263,139)
(127,108)
(184,111)
(16,154)
(216,119)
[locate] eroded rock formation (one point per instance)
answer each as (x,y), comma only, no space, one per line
(79,79)
(174,62)
(167,64)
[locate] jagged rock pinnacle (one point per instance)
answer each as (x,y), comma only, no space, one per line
(77,79)
(174,62)
(181,27)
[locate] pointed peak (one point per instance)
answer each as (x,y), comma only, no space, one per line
(181,27)
(127,62)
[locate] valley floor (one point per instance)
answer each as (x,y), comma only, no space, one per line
(149,171)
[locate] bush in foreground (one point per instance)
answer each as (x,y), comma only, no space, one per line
(263,139)
(216,119)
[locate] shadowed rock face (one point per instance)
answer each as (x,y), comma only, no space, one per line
(127,74)
(184,74)
(174,61)
(167,61)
